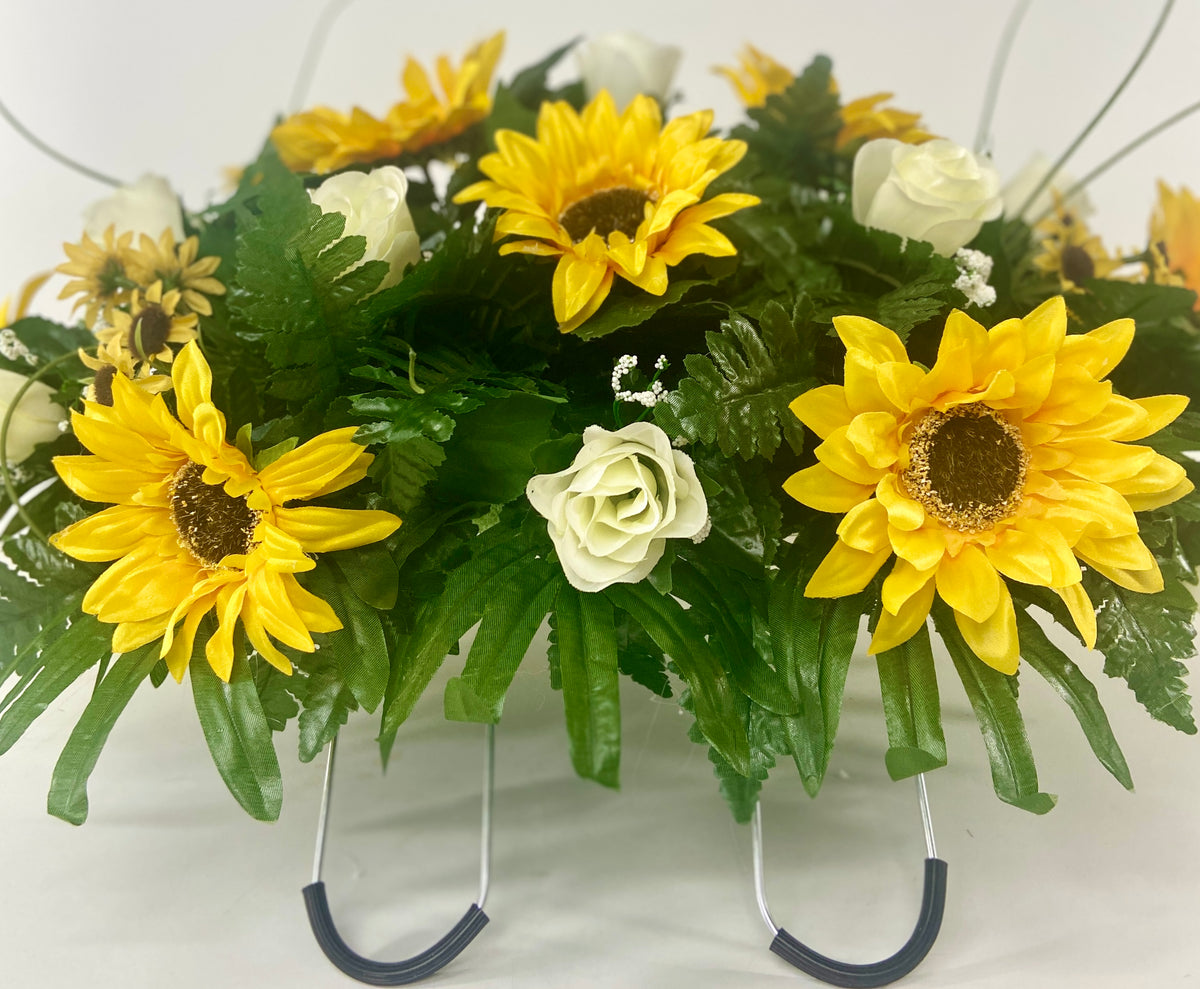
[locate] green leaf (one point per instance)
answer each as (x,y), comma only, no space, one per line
(371,573)
(358,648)
(238,736)
(1077,690)
(620,311)
(68,797)
(274,691)
(327,703)
(993,697)
(745,514)
(440,622)
(795,131)
(716,700)
(739,396)
(586,642)
(512,619)
(403,470)
(488,459)
(1143,638)
(730,609)
(911,708)
(813,643)
(64,657)
(47,341)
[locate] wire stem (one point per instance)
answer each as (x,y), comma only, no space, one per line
(1065,156)
(58,156)
(1112,159)
(5,474)
(313,50)
(999,61)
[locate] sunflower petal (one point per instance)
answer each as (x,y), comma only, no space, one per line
(820,488)
(969,583)
(994,640)
(1082,613)
(894,629)
(323,530)
(845,571)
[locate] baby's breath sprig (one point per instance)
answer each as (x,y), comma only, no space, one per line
(648,397)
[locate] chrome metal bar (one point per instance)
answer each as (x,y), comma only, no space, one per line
(489,789)
(759,883)
(926,819)
(323,820)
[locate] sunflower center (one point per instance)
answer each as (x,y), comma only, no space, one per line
(621,209)
(102,385)
(1077,264)
(149,331)
(211,523)
(967,466)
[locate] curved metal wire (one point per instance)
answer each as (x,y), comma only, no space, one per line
(425,964)
(858,976)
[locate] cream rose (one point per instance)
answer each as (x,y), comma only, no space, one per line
(937,191)
(611,512)
(374,205)
(626,63)
(149,206)
(36,420)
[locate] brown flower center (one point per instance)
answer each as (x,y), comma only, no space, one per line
(102,385)
(149,331)
(621,209)
(967,466)
(211,524)
(1077,264)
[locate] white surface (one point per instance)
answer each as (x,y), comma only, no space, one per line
(169,882)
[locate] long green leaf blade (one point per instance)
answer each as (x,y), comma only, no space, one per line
(715,698)
(238,735)
(993,697)
(66,655)
(586,639)
(68,797)
(1078,691)
(911,708)
(512,619)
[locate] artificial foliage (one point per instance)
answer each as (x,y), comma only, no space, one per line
(482,367)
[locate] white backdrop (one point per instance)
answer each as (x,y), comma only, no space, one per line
(169,882)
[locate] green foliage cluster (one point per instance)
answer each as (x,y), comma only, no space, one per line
(461,385)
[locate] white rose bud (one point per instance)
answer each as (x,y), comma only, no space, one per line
(1029,178)
(626,64)
(149,206)
(36,420)
(937,191)
(374,205)
(611,512)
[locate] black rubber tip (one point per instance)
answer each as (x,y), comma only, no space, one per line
(835,973)
(373,973)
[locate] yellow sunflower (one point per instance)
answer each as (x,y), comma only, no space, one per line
(1175,235)
(1009,458)
(609,195)
(1070,250)
(177,267)
(113,359)
(424,117)
(324,140)
(756,76)
(865,120)
(98,274)
(151,324)
(195,528)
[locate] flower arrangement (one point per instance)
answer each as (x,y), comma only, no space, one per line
(706,403)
